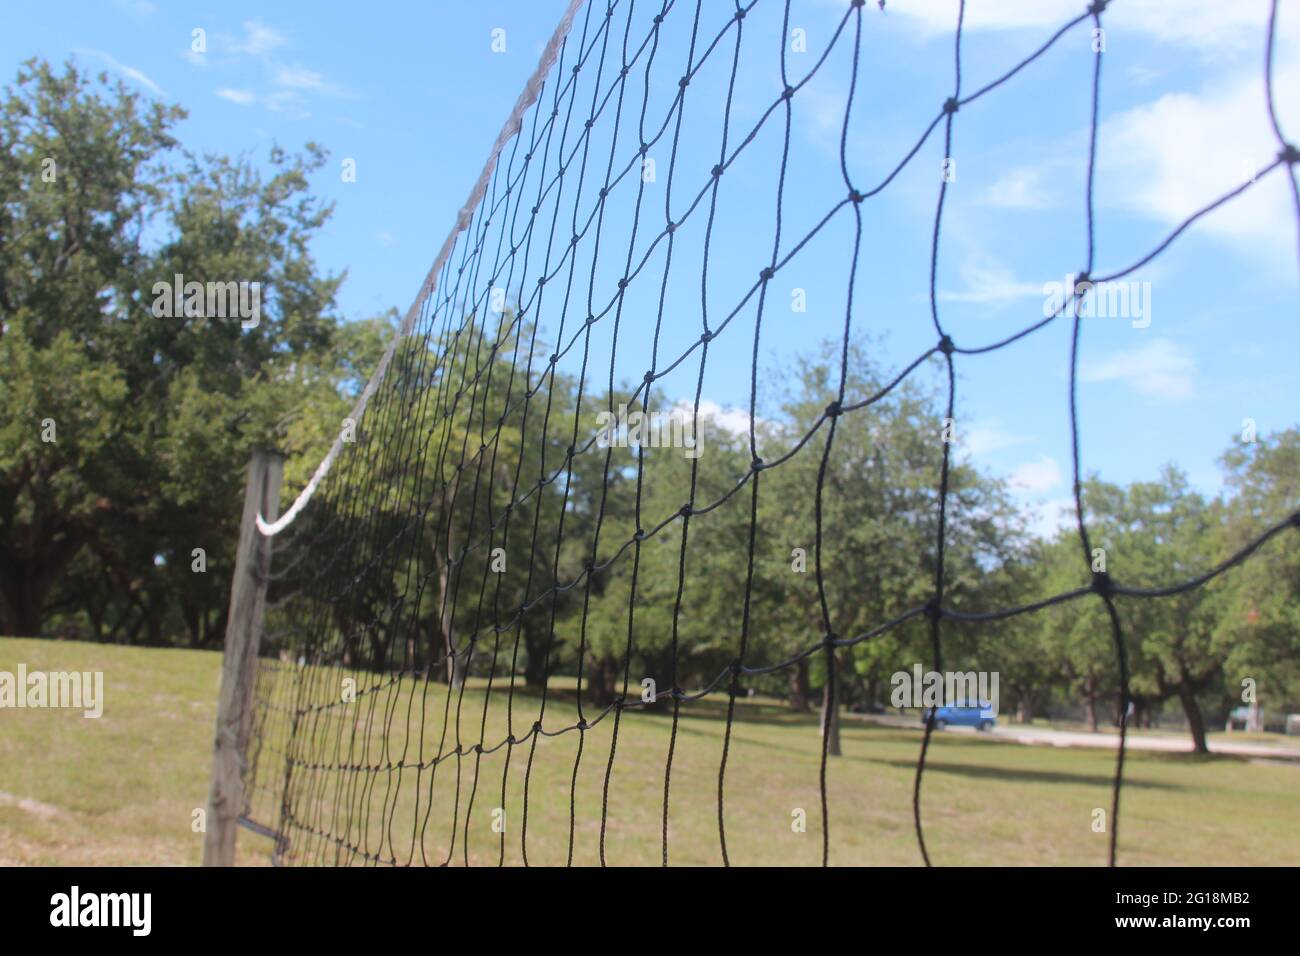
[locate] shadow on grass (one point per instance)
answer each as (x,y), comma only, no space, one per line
(1023,775)
(712,708)
(976,771)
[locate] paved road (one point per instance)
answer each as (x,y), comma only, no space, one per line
(1219,743)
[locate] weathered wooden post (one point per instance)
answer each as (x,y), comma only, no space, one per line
(239,663)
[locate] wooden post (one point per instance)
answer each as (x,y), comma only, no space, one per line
(239,664)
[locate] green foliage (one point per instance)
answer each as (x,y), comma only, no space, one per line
(1257,629)
(154,415)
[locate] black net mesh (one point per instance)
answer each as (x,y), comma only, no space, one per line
(426,693)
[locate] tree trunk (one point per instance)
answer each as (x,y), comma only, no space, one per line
(1024,713)
(216,629)
(192,616)
(25,603)
(28,576)
(457,665)
(155,637)
(1141,714)
(800,692)
(536,666)
(1090,703)
(95,614)
(453,665)
(1028,707)
(601,672)
(1195,722)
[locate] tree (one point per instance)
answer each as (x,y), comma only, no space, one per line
(1157,533)
(1257,627)
(1074,636)
(152,416)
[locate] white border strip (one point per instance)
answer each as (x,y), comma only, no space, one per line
(463,219)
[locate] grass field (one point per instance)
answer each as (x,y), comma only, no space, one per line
(121,789)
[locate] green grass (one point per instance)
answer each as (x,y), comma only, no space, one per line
(121,789)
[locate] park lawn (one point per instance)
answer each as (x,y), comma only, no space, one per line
(122,789)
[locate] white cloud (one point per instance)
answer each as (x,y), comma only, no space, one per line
(822,106)
(301,78)
(289,82)
(1047,517)
(940,16)
(282,101)
(141,8)
(988,435)
(1160,369)
(733,420)
(988,281)
(1171,157)
(1029,483)
(130,72)
(1209,26)
(1019,188)
(242,97)
(258,39)
(285,101)
(1142,75)
(1179,153)
(1037,476)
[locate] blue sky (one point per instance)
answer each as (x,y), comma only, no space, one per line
(415,94)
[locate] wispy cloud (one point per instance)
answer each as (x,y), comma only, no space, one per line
(733,420)
(1018,188)
(1184,150)
(988,435)
(141,8)
(1047,517)
(242,97)
(1142,75)
(1161,369)
(122,69)
(289,84)
(987,281)
(301,78)
(258,39)
(1209,26)
(1037,476)
(941,15)
(288,102)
